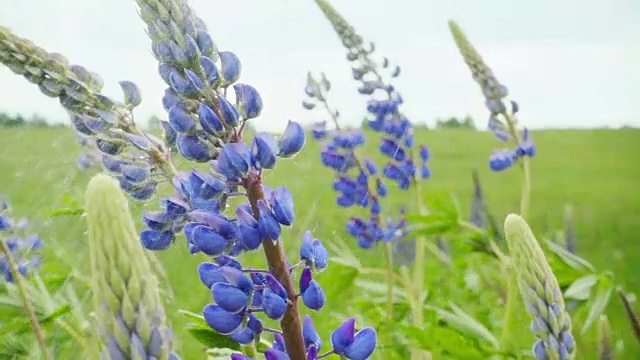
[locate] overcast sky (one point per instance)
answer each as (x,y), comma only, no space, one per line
(570,63)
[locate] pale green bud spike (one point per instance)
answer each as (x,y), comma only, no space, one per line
(540,291)
(482,74)
(605,339)
(125,291)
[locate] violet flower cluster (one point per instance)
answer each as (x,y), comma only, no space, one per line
(502,120)
(206,127)
(360,181)
(22,246)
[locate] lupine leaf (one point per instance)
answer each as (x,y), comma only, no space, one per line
(581,288)
(465,324)
(599,302)
(574,261)
(205,335)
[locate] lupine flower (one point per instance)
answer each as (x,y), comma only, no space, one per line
(207,127)
(502,119)
(358,180)
(130,314)
(541,293)
(23,246)
(108,122)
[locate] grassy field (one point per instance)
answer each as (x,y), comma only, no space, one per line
(597,171)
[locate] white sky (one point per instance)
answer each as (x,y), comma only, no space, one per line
(568,63)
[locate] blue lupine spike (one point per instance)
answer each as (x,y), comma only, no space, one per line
(231,67)
(229,112)
(145,192)
(342,337)
(132,96)
(156,240)
(210,274)
(264,149)
(195,80)
(268,226)
(210,70)
(312,295)
(180,121)
(292,140)
(188,234)
(229,298)
(248,101)
(193,148)
(308,105)
(208,241)
(281,201)
(222,321)
(372,168)
(310,335)
(209,120)
(381,188)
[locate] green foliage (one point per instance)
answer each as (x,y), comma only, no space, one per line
(606,207)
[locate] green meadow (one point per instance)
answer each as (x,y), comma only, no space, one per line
(595,171)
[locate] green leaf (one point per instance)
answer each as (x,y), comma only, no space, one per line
(211,339)
(199,329)
(574,261)
(465,324)
(599,302)
(432,224)
(581,288)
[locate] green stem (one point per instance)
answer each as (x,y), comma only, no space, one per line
(26,303)
(390,284)
(526,188)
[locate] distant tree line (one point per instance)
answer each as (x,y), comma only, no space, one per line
(8,120)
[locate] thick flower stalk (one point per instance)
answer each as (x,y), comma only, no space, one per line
(129,310)
(541,293)
(207,127)
(502,120)
(139,160)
